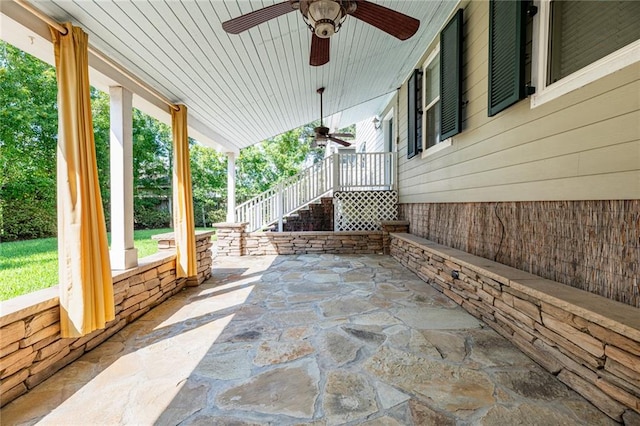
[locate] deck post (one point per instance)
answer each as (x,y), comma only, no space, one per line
(231,187)
(123,253)
(280,206)
(336,173)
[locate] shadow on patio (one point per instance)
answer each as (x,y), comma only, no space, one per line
(323,339)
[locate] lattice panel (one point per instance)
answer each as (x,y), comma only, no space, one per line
(363,211)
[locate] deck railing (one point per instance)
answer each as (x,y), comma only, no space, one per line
(339,172)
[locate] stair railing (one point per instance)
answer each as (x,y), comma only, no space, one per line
(339,172)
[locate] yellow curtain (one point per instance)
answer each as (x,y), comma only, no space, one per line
(183,222)
(86,287)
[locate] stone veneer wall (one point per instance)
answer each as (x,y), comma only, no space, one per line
(591,343)
(591,245)
(203,253)
(31,349)
(234,241)
(263,243)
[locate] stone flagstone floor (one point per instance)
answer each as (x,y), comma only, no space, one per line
(308,339)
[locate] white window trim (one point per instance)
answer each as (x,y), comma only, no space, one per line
(437,147)
(617,60)
(443,143)
(390,115)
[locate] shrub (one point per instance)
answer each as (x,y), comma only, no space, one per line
(151,218)
(28,219)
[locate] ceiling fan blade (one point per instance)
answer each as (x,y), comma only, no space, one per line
(343,135)
(319,51)
(257,17)
(340,141)
(388,20)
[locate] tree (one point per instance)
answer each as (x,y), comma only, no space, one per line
(264,165)
(152,162)
(28,138)
(28,145)
(209,178)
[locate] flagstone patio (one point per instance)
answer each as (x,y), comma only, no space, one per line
(307,339)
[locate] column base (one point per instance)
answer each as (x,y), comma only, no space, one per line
(124,259)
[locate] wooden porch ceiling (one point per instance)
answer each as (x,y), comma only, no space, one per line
(255,85)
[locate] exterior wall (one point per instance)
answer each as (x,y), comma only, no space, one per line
(592,344)
(31,349)
(565,175)
(591,245)
(584,145)
(367,133)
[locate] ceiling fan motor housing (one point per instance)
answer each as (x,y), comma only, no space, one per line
(325,28)
(322,131)
(324,16)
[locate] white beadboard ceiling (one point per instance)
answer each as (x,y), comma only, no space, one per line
(245,88)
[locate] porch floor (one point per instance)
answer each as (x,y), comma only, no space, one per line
(306,339)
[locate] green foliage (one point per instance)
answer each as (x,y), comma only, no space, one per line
(261,166)
(28,137)
(100,116)
(151,218)
(209,179)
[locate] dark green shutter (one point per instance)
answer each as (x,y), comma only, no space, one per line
(506,53)
(414,129)
(451,77)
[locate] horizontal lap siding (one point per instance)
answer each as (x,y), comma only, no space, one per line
(583,145)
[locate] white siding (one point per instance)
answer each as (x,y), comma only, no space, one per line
(583,145)
(367,133)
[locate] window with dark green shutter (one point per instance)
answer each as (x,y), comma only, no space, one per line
(583,32)
(507,41)
(451,77)
(414,135)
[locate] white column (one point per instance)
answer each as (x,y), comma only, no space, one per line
(231,187)
(123,254)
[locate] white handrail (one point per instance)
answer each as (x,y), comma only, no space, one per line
(339,172)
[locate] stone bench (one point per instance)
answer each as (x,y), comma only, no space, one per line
(591,343)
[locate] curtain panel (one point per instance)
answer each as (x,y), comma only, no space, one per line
(183,219)
(86,287)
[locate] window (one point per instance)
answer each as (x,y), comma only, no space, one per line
(583,32)
(414,134)
(432,99)
(443,88)
(581,41)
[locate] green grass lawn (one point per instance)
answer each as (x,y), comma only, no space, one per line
(31,265)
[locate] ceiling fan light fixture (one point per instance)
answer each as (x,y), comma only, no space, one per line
(325,17)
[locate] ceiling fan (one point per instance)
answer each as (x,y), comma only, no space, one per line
(325,18)
(322,133)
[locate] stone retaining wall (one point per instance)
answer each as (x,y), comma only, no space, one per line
(263,243)
(31,349)
(234,241)
(591,343)
(203,253)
